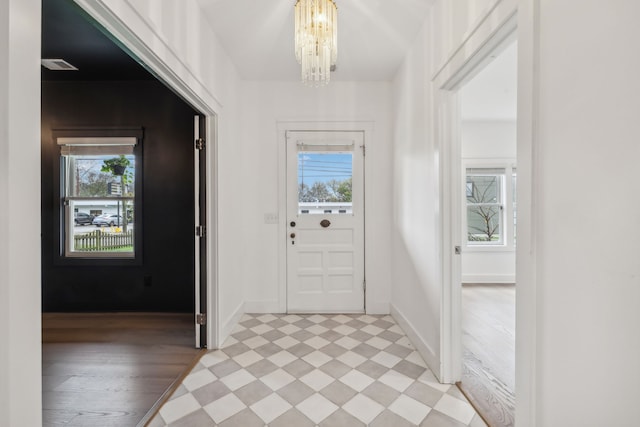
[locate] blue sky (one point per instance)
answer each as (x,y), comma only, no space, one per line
(323,167)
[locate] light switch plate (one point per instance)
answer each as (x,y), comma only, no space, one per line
(271,218)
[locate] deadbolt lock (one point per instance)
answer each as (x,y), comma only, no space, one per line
(293,235)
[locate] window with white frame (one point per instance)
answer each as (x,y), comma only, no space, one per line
(490,206)
(98,183)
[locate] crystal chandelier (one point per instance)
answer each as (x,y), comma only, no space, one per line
(316,28)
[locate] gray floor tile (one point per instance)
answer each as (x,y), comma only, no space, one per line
(253,392)
(365,350)
(357,324)
(390,336)
(455,392)
(372,369)
(199,418)
(389,419)
(333,350)
(300,350)
(409,369)
(298,368)
(244,335)
(268,350)
(261,368)
(381,393)
(303,323)
(335,368)
(292,418)
(273,335)
(250,323)
(331,335)
(341,418)
(295,392)
(244,418)
(302,335)
(360,336)
(210,392)
(278,323)
(338,392)
(438,419)
(384,324)
(225,368)
(398,350)
(329,324)
(235,349)
(423,393)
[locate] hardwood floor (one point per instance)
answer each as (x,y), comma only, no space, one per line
(111,369)
(488,343)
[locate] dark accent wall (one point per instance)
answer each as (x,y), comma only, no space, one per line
(164,278)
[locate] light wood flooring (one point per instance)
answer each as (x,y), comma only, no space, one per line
(111,369)
(488,344)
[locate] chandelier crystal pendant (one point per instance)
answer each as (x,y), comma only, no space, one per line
(316,35)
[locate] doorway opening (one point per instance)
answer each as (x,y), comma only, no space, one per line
(488,115)
(113,305)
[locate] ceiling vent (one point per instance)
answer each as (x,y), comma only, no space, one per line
(57,65)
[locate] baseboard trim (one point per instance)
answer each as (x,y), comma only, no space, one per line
(425,350)
(489,278)
(229,324)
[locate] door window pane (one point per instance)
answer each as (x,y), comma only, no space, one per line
(324,182)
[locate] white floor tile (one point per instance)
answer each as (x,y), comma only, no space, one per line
(198,379)
(455,408)
(291,318)
(316,342)
(378,343)
(289,329)
(286,342)
(317,318)
(179,407)
(255,342)
(277,379)
(356,380)
(316,358)
(248,358)
(410,409)
(386,359)
(347,342)
(262,329)
(344,330)
(317,329)
(282,358)
(351,359)
(341,318)
(224,408)
(317,408)
(317,379)
(270,408)
(213,358)
(396,380)
(416,358)
(363,408)
(371,329)
(238,379)
(266,318)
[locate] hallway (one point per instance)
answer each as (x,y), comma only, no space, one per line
(315,370)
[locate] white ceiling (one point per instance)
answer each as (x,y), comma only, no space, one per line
(492,93)
(373,36)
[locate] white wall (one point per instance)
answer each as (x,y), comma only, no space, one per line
(178,36)
(417,289)
(588,274)
(20,351)
(264,104)
(488,143)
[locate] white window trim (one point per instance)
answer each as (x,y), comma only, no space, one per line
(509,165)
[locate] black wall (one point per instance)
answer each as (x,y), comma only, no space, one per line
(163,280)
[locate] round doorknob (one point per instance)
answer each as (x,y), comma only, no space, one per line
(325,223)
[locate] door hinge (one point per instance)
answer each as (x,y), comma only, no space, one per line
(200,144)
(201,319)
(364,149)
(201,230)
(364,285)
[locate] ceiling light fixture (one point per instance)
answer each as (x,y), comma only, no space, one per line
(316,35)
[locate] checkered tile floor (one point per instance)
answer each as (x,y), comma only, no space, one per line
(315,370)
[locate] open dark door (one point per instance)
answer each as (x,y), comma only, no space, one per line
(200,176)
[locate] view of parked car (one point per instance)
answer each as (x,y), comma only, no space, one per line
(107,220)
(82,218)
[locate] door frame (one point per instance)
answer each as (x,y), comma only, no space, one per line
(284,126)
(207,106)
(488,37)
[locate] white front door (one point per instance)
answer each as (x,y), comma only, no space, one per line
(325,222)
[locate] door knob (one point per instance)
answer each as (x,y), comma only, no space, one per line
(293,235)
(325,223)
